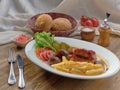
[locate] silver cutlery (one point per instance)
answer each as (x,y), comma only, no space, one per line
(21,83)
(11,60)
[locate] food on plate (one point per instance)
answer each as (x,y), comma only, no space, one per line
(44,22)
(72,59)
(90,22)
(81,54)
(87,33)
(75,67)
(54,60)
(44,53)
(61,53)
(58,46)
(44,39)
(61,24)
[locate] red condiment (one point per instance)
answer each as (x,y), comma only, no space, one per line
(22,38)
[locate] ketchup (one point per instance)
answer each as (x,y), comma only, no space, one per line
(22,38)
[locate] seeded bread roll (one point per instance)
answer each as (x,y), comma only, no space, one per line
(44,22)
(61,24)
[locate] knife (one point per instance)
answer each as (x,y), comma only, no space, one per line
(21,83)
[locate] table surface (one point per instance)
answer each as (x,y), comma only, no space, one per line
(38,79)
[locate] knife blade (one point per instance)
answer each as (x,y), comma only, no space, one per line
(20,62)
(21,82)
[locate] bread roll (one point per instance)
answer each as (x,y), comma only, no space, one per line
(61,24)
(43,22)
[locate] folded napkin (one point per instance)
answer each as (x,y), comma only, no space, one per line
(115,28)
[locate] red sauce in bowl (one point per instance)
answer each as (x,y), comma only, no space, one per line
(22,38)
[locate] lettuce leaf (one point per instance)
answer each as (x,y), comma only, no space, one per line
(44,39)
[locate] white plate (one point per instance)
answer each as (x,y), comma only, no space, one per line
(111,58)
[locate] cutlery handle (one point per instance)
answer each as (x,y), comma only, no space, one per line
(11,78)
(21,83)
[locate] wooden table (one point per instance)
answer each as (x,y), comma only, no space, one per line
(38,79)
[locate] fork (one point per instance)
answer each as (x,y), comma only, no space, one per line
(11,60)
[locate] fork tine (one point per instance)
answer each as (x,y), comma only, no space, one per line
(13,54)
(11,57)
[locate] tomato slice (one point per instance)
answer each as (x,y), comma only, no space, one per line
(44,54)
(41,56)
(39,50)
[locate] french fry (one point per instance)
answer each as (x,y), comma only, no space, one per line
(82,68)
(64,59)
(98,66)
(76,71)
(79,67)
(94,71)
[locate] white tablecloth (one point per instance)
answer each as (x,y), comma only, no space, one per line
(15,13)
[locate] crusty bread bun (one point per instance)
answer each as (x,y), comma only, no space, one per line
(44,22)
(61,24)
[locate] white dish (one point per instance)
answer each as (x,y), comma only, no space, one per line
(114,63)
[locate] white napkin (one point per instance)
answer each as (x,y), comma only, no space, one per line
(115,28)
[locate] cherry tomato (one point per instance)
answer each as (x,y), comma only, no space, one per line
(83,19)
(95,22)
(89,23)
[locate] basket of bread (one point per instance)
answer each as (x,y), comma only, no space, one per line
(59,24)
